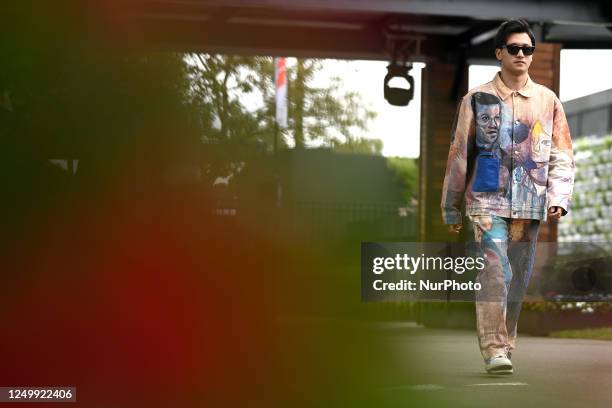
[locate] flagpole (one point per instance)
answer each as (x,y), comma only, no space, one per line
(280,119)
(275,138)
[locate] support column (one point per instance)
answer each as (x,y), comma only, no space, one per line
(438,108)
(545,70)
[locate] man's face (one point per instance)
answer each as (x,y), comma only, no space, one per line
(487,122)
(541,143)
(516,64)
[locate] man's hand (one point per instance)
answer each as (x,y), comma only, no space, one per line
(555,212)
(455,228)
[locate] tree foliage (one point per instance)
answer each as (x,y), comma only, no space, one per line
(406,173)
(320,115)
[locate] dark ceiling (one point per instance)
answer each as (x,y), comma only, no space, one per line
(359,29)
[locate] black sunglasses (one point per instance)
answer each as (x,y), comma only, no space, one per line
(514,49)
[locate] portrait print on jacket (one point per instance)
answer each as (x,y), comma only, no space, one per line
(531,142)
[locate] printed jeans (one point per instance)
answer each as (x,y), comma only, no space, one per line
(508,246)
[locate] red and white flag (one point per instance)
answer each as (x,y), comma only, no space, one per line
(280,81)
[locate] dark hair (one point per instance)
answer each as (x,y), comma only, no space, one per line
(484,98)
(511,27)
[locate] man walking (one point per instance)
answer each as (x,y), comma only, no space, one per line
(511,160)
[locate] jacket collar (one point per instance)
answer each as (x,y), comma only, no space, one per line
(504,91)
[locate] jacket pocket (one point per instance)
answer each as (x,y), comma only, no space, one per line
(487,173)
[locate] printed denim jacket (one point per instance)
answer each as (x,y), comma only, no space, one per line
(510,155)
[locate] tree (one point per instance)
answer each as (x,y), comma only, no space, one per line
(406,174)
(359,145)
(325,114)
(217,84)
(320,115)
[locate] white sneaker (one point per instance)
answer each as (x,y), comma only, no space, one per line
(500,364)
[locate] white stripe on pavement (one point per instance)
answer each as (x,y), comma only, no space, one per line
(426,387)
(504,383)
(435,387)
(418,387)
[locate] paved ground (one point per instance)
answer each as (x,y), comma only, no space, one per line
(446,370)
(384,365)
